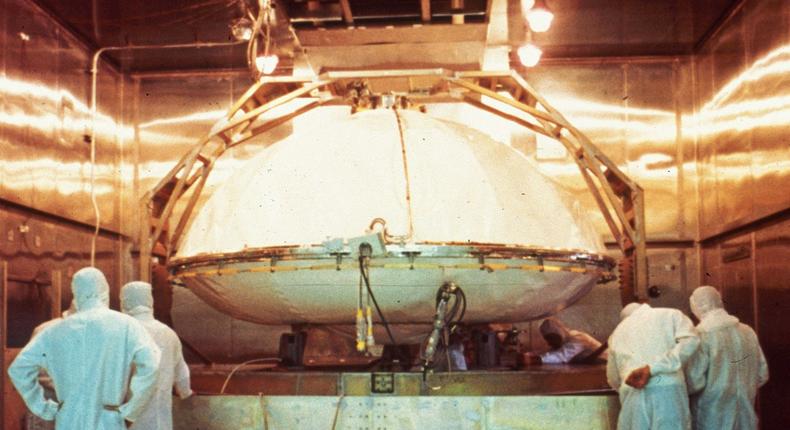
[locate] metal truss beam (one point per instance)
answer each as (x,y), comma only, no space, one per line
(507,94)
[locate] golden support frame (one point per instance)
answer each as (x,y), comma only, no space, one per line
(620,199)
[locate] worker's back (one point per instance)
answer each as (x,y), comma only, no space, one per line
(137,300)
(644,337)
(656,342)
(89,357)
(173,372)
(727,372)
(92,364)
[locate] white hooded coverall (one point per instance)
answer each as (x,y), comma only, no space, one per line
(137,301)
(730,366)
(663,339)
(89,357)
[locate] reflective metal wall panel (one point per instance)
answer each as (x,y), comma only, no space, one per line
(769,103)
(711,265)
(172,114)
(30,89)
(772,254)
(45,164)
(743,102)
(706,150)
(733,146)
(686,150)
(36,246)
(636,112)
(737,289)
(45,115)
(652,142)
(743,105)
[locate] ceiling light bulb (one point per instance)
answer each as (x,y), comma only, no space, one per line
(241,29)
(526,5)
(540,17)
(266,63)
(529,55)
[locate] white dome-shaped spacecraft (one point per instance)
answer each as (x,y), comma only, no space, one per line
(278,242)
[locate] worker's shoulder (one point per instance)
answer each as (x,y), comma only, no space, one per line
(160,331)
(160,327)
(46,325)
(667,313)
(663,310)
(98,320)
(747,332)
(120,319)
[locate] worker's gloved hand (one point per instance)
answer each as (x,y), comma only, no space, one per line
(638,378)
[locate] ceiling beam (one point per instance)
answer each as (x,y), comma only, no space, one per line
(446,33)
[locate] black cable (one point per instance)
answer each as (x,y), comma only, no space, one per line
(450,320)
(463,303)
(372,296)
(459,302)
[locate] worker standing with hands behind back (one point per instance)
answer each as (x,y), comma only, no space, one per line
(728,369)
(647,352)
(89,357)
(137,301)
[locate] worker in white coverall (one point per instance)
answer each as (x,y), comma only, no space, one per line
(89,357)
(137,301)
(568,346)
(32,421)
(647,352)
(727,370)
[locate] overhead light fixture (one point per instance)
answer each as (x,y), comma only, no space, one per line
(540,17)
(241,29)
(526,5)
(266,63)
(529,55)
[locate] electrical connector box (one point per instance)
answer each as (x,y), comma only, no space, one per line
(376,241)
(382,383)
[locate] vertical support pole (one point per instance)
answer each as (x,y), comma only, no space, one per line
(144,243)
(56,295)
(642,276)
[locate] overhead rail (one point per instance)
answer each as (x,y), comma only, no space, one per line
(506,94)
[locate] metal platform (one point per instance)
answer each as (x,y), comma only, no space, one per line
(541,397)
(396,413)
(537,380)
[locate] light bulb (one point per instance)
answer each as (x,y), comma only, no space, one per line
(539,18)
(266,63)
(529,55)
(526,5)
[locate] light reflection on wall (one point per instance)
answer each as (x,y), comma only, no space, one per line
(75,183)
(743,130)
(724,112)
(40,95)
